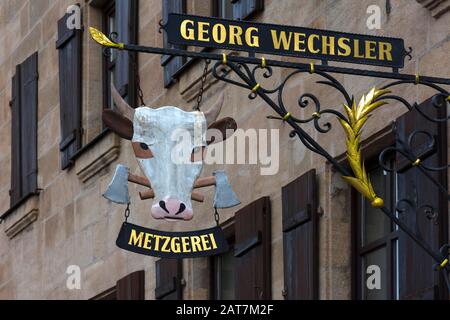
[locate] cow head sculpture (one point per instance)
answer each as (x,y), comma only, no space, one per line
(154,138)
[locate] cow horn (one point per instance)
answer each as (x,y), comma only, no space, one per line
(212,113)
(123,107)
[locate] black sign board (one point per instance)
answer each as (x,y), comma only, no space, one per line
(192,30)
(164,244)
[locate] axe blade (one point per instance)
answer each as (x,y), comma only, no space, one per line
(224,196)
(117,190)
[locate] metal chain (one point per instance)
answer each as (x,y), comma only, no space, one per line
(216,216)
(202,85)
(127,212)
(138,81)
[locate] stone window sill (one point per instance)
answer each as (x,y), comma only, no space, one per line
(21,216)
(436,7)
(96,155)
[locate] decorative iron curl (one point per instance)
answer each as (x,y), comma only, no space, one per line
(439,100)
(304,100)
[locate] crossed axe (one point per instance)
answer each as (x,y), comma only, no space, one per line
(117,190)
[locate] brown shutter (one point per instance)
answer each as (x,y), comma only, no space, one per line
(127,27)
(69,46)
(28,125)
(131,287)
(16,186)
(252,251)
(300,249)
(242,9)
(168,279)
(172,64)
(417,279)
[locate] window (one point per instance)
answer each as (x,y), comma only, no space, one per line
(109,59)
(377,236)
(24,104)
(168,274)
(227,9)
(223,270)
(130,287)
(223,9)
(81,119)
(405,268)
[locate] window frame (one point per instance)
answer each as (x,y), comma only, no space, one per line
(229,232)
(108,66)
(372,148)
(388,241)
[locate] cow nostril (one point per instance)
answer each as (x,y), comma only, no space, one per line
(162,204)
(182,207)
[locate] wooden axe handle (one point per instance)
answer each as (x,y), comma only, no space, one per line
(139,180)
(149,194)
(205,182)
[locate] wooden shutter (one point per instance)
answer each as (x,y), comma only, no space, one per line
(131,287)
(168,279)
(300,247)
(252,251)
(242,9)
(417,279)
(172,64)
(28,125)
(69,46)
(16,185)
(127,27)
(24,104)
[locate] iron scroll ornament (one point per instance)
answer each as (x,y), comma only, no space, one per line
(239,66)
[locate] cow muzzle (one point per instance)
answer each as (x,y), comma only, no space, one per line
(171,209)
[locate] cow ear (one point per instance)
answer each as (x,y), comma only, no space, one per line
(118,123)
(226,126)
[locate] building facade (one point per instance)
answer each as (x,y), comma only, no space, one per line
(300,233)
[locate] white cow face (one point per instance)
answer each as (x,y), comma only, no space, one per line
(158,136)
(165,141)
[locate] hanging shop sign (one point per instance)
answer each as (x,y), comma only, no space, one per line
(169,144)
(273,39)
(163,244)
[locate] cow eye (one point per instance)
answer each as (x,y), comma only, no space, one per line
(144,146)
(142,150)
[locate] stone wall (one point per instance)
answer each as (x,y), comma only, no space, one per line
(74,225)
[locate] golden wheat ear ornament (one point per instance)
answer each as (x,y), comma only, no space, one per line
(357,117)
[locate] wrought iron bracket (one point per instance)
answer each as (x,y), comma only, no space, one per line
(248,69)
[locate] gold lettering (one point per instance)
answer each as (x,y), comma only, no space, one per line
(252,40)
(213,241)
(370,49)
(165,246)
(344,47)
(328,45)
(385,51)
(311,43)
(219,33)
(281,40)
(187,33)
(185,244)
(205,242)
(195,243)
(134,239)
(298,42)
(147,240)
(202,30)
(175,245)
(357,50)
(156,244)
(235,35)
